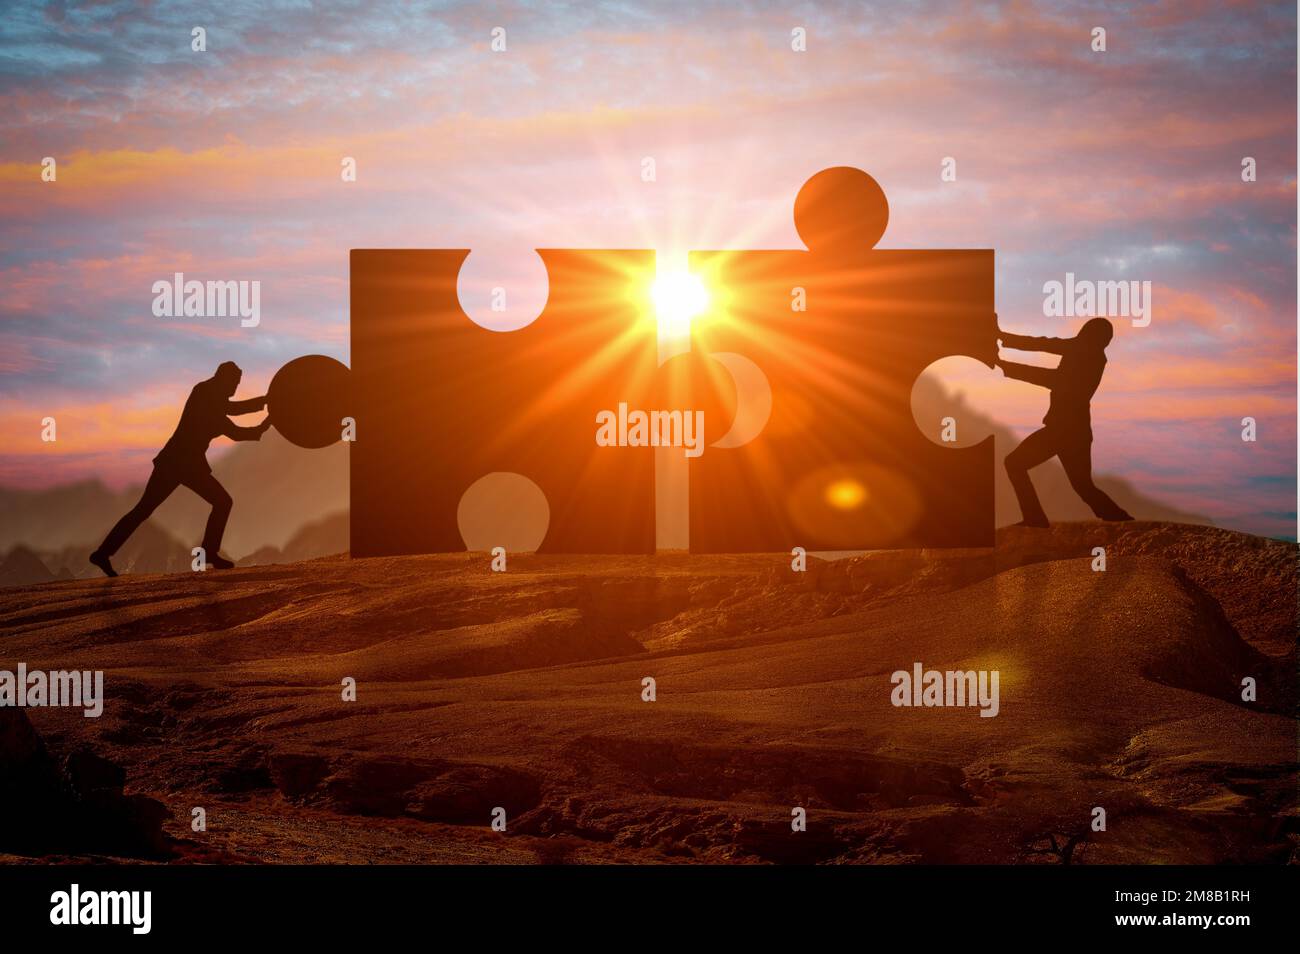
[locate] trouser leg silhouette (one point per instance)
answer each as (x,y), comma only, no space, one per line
(1076,458)
(158,489)
(1035,449)
(207,487)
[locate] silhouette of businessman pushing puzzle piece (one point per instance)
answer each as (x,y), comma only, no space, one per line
(842,331)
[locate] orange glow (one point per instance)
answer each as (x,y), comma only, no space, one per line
(846,494)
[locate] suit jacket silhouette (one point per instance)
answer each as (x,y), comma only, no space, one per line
(1073,382)
(206,416)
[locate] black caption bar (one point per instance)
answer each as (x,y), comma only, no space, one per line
(141,904)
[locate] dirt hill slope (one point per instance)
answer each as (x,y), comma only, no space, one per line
(523,690)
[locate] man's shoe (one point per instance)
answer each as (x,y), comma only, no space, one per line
(101,560)
(219,562)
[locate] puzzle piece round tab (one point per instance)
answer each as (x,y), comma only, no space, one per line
(308,399)
(841,210)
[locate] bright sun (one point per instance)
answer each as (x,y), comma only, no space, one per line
(678,297)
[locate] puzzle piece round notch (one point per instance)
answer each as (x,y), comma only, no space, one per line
(699,383)
(503,509)
(841,210)
(503,288)
(953,401)
(308,399)
(753,401)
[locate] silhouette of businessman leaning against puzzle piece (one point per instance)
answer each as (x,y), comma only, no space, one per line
(840,464)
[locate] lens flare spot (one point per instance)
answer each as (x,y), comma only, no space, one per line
(846,494)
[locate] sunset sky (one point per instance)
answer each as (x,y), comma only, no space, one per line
(225,165)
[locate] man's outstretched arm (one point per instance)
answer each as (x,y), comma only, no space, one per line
(237,433)
(1043,377)
(1030,343)
(236,408)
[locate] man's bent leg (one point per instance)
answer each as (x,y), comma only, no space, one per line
(157,490)
(1035,449)
(207,487)
(1076,458)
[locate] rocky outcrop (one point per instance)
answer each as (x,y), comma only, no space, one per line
(77,807)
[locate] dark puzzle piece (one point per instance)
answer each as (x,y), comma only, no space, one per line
(441,401)
(840,464)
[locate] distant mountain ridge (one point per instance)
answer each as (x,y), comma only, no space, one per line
(278,489)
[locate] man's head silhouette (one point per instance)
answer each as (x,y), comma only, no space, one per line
(1097,332)
(228,376)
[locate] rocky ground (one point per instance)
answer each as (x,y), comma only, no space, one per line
(523,691)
